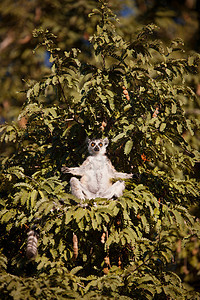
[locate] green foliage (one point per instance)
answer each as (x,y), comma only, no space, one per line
(69,21)
(133,93)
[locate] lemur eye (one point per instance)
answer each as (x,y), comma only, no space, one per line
(100,144)
(92,144)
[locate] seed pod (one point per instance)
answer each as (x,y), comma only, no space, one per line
(31,250)
(106,270)
(127,97)
(107,260)
(103,125)
(75,246)
(119,262)
(107,265)
(156,112)
(103,238)
(125,92)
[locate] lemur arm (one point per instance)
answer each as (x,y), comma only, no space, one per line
(80,171)
(116,174)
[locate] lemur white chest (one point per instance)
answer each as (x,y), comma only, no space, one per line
(97,177)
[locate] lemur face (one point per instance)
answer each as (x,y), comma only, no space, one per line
(97,146)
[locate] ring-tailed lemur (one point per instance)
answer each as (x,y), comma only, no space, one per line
(96,174)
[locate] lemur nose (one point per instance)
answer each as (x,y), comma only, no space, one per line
(96,148)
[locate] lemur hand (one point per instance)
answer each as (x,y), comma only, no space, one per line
(65,170)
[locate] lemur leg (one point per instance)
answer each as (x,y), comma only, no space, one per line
(78,190)
(116,190)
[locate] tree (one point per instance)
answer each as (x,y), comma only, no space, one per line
(68,20)
(131,92)
(176,18)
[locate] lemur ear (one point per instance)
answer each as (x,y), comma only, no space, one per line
(106,141)
(87,140)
